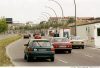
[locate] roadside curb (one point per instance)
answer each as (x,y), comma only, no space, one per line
(7,51)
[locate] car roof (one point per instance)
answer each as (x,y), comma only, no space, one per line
(57,37)
(39,39)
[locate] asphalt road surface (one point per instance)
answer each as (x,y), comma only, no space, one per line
(79,57)
(7,36)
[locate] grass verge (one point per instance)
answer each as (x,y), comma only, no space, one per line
(4,60)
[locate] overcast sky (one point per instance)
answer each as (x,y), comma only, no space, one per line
(31,10)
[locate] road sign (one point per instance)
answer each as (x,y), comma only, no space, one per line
(9,20)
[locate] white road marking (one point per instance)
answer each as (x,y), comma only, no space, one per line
(93,48)
(88,55)
(75,52)
(62,61)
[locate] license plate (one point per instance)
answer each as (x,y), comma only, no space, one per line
(62,46)
(76,42)
(42,49)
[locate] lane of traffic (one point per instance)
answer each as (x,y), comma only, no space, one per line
(78,57)
(16,52)
(86,54)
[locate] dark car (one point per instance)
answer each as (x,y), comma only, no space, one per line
(36,34)
(26,36)
(39,48)
(61,44)
(29,35)
(42,34)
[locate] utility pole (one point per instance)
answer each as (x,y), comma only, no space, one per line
(75,17)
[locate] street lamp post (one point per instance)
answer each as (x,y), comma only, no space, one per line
(75,17)
(48,19)
(56,18)
(45,15)
(62,13)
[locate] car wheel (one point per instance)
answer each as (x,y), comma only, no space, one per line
(25,56)
(69,51)
(82,47)
(52,58)
(28,59)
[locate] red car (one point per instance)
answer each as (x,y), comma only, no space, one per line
(37,36)
(26,36)
(61,44)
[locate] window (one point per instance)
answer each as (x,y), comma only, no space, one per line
(98,31)
(61,40)
(41,43)
(88,29)
(75,38)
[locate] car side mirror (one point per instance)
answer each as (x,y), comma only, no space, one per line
(25,44)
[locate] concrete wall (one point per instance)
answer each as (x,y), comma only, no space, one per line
(72,31)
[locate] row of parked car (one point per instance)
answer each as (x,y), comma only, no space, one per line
(44,48)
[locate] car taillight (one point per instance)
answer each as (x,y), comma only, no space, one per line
(82,42)
(54,45)
(52,49)
(69,46)
(30,49)
(71,42)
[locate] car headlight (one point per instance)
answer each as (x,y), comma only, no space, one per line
(35,49)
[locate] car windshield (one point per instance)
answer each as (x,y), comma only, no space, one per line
(60,40)
(75,38)
(41,43)
(37,35)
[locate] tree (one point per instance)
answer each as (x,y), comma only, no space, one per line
(3,25)
(21,27)
(66,24)
(42,22)
(71,20)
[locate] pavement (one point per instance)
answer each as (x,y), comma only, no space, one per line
(79,57)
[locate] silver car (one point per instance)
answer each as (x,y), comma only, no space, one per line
(77,42)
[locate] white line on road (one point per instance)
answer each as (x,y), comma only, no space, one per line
(94,48)
(62,61)
(88,55)
(75,52)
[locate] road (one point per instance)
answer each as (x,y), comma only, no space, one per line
(7,36)
(79,57)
